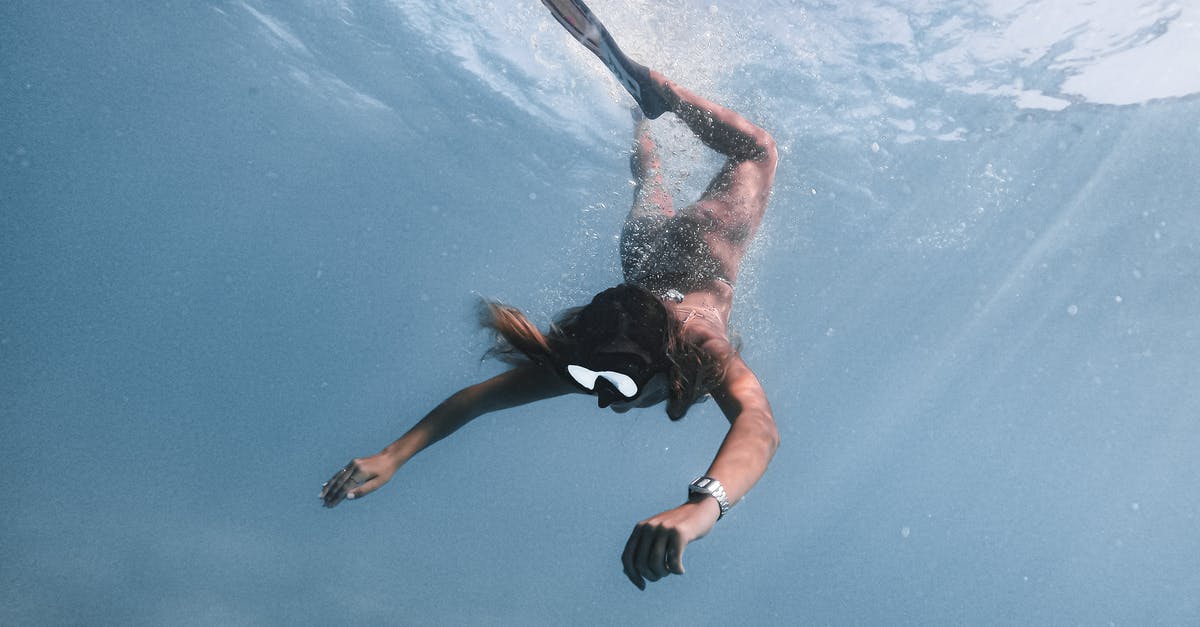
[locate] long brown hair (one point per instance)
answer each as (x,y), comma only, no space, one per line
(691,371)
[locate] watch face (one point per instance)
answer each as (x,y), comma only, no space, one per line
(702,483)
(710,487)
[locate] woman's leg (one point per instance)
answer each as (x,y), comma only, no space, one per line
(652,206)
(733,205)
(650,197)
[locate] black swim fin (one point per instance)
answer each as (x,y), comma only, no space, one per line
(633,76)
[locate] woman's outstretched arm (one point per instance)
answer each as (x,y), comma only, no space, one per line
(753,436)
(518,386)
(655,548)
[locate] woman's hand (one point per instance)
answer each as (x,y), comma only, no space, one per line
(358,478)
(655,548)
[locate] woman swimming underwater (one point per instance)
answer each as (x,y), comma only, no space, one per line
(660,337)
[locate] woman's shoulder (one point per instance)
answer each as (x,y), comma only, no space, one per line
(712,341)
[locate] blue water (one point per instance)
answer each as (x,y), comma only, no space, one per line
(241,242)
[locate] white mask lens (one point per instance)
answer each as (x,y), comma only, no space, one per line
(586,378)
(583,376)
(624,383)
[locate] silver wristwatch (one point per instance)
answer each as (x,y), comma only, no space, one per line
(710,487)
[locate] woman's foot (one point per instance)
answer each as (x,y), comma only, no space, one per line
(663,90)
(653,93)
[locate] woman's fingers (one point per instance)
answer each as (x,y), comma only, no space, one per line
(675,554)
(648,547)
(344,479)
(628,558)
(653,551)
(367,487)
(331,486)
(655,566)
